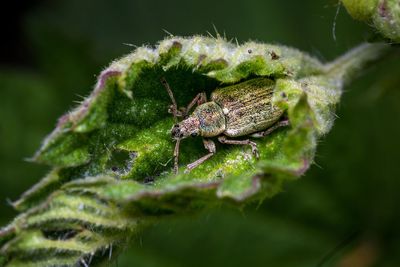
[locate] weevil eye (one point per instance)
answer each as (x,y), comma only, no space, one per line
(176,131)
(193,134)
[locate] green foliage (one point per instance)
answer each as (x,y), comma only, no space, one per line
(112,154)
(384,15)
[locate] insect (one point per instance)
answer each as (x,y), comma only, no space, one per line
(237,110)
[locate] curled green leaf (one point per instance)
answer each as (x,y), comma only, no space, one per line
(112,155)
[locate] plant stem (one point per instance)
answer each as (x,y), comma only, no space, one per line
(346,67)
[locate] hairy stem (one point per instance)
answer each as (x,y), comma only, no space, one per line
(348,66)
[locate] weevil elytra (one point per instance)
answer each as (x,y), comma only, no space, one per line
(243,109)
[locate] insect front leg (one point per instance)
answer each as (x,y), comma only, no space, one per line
(176,156)
(199,99)
(253,145)
(210,146)
(174,107)
(277,125)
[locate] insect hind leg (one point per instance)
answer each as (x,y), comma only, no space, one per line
(279,124)
(222,139)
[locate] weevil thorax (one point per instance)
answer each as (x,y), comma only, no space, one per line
(211,119)
(207,120)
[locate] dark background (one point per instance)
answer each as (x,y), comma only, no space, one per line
(343,212)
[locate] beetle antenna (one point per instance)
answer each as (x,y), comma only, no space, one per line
(176,155)
(174,106)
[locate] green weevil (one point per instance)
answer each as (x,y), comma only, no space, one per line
(237,110)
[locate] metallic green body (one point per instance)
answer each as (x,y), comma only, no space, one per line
(247,106)
(234,111)
(237,110)
(211,119)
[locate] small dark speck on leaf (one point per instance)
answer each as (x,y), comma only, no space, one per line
(249,51)
(133,155)
(201,58)
(121,161)
(177,44)
(273,55)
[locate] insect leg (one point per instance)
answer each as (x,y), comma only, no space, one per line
(182,112)
(277,125)
(210,146)
(174,107)
(176,156)
(253,145)
(199,99)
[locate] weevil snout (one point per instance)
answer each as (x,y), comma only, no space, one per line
(187,127)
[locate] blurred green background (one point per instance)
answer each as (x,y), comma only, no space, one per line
(343,212)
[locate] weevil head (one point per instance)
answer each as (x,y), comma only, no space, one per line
(207,120)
